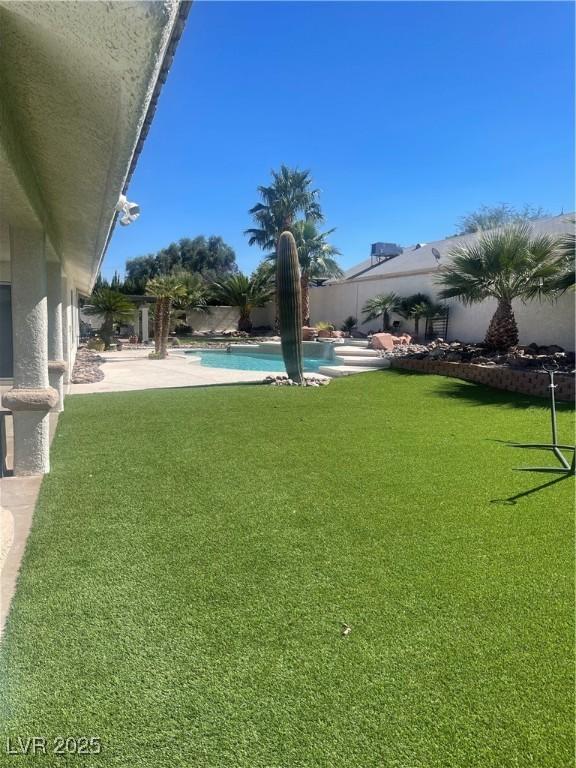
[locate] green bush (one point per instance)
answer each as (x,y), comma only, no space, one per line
(349,324)
(96,344)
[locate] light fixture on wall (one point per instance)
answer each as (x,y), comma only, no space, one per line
(130,211)
(436,254)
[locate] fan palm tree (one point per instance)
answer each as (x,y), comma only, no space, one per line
(245,293)
(431,311)
(193,299)
(566,276)
(505,264)
(114,307)
(287,196)
(415,307)
(166,289)
(316,258)
(380,305)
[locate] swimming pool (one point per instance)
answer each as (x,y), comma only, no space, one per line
(220,358)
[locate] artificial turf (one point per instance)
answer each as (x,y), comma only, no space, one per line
(194,553)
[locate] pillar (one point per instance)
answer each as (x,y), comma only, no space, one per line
(65,330)
(137,322)
(56,362)
(145,324)
(31,397)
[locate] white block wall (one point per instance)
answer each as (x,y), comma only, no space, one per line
(541,322)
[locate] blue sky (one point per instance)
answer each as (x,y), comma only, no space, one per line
(408,115)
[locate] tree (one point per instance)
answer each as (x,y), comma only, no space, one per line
(116,282)
(193,298)
(380,305)
(114,307)
(211,258)
(566,275)
(492,216)
(505,264)
(316,259)
(166,289)
(140,270)
(245,293)
(289,194)
(415,307)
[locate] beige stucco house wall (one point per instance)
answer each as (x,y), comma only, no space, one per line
(79,84)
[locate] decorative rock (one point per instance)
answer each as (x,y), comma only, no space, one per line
(529,357)
(87,367)
(310,380)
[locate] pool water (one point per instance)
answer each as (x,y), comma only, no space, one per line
(219,358)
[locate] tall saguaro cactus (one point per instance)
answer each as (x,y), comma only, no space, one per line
(289,297)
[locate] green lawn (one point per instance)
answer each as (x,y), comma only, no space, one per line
(194,553)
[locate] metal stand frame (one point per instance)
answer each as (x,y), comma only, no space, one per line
(554,446)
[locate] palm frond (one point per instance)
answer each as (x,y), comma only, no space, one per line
(505,264)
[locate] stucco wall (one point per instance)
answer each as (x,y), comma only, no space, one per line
(226,318)
(544,323)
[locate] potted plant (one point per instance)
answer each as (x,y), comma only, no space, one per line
(324,329)
(309,334)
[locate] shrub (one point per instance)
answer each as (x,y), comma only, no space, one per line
(349,324)
(96,344)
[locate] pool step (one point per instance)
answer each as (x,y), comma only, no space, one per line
(346,350)
(335,371)
(362,361)
(361,343)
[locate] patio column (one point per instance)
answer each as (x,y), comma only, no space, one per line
(65,330)
(56,362)
(31,397)
(137,322)
(145,326)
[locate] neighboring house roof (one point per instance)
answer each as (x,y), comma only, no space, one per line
(420,257)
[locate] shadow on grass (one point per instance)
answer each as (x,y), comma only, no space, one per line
(514,499)
(481,394)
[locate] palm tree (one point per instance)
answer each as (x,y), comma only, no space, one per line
(114,307)
(382,304)
(566,276)
(431,311)
(415,307)
(245,293)
(194,297)
(166,289)
(505,264)
(316,258)
(287,196)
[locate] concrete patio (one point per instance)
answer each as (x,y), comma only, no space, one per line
(132,370)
